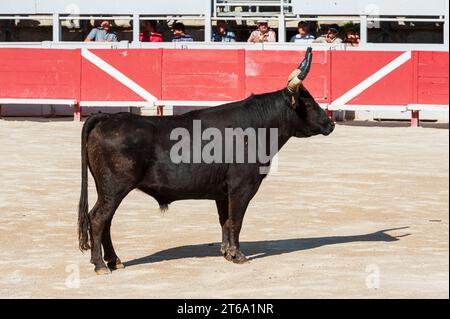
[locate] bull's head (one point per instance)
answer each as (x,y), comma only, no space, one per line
(310,118)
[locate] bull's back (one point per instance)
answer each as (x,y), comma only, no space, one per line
(137,149)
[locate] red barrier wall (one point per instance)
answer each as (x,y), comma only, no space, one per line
(349,68)
(203,75)
(40,74)
(268,71)
(432,77)
(220,75)
(141,66)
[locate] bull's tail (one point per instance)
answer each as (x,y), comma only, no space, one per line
(83,206)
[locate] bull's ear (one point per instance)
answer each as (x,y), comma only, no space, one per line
(294,101)
(292,96)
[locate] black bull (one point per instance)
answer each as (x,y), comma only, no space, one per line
(125,152)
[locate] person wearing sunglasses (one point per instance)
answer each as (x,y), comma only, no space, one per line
(331,37)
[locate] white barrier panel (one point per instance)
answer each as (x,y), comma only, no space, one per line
(371,7)
(101,7)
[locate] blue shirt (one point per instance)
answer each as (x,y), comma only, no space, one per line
(98,34)
(228,36)
(183,38)
(308,38)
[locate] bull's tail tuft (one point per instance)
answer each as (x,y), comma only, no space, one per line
(83,206)
(163,208)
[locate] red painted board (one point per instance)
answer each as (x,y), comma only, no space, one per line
(203,75)
(142,66)
(40,73)
(350,68)
(268,71)
(432,82)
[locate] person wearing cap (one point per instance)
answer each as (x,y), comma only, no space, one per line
(102,33)
(222,34)
(263,33)
(303,35)
(331,37)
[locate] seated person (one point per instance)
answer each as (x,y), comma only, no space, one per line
(352,38)
(179,33)
(303,35)
(149,34)
(263,33)
(331,36)
(102,34)
(222,34)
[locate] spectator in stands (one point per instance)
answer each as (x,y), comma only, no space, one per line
(149,34)
(303,35)
(331,37)
(263,33)
(102,33)
(179,33)
(352,38)
(222,34)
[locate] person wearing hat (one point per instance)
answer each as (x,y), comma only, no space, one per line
(331,37)
(102,33)
(263,33)
(303,35)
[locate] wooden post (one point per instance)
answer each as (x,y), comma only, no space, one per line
(77,111)
(415,118)
(330,113)
(160,110)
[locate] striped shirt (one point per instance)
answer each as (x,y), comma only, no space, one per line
(228,36)
(183,38)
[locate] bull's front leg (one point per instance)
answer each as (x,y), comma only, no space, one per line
(237,205)
(222,209)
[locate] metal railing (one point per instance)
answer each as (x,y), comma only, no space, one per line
(222,8)
(281,16)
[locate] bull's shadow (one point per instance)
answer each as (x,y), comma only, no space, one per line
(265,248)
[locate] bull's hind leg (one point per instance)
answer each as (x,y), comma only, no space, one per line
(100,231)
(99,218)
(222,209)
(110,255)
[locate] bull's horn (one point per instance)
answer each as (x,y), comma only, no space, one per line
(294,84)
(299,74)
(294,74)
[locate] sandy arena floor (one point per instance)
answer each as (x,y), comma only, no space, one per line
(361,213)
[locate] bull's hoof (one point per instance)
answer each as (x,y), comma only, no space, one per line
(235,256)
(240,259)
(223,249)
(228,257)
(120,266)
(102,270)
(114,265)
